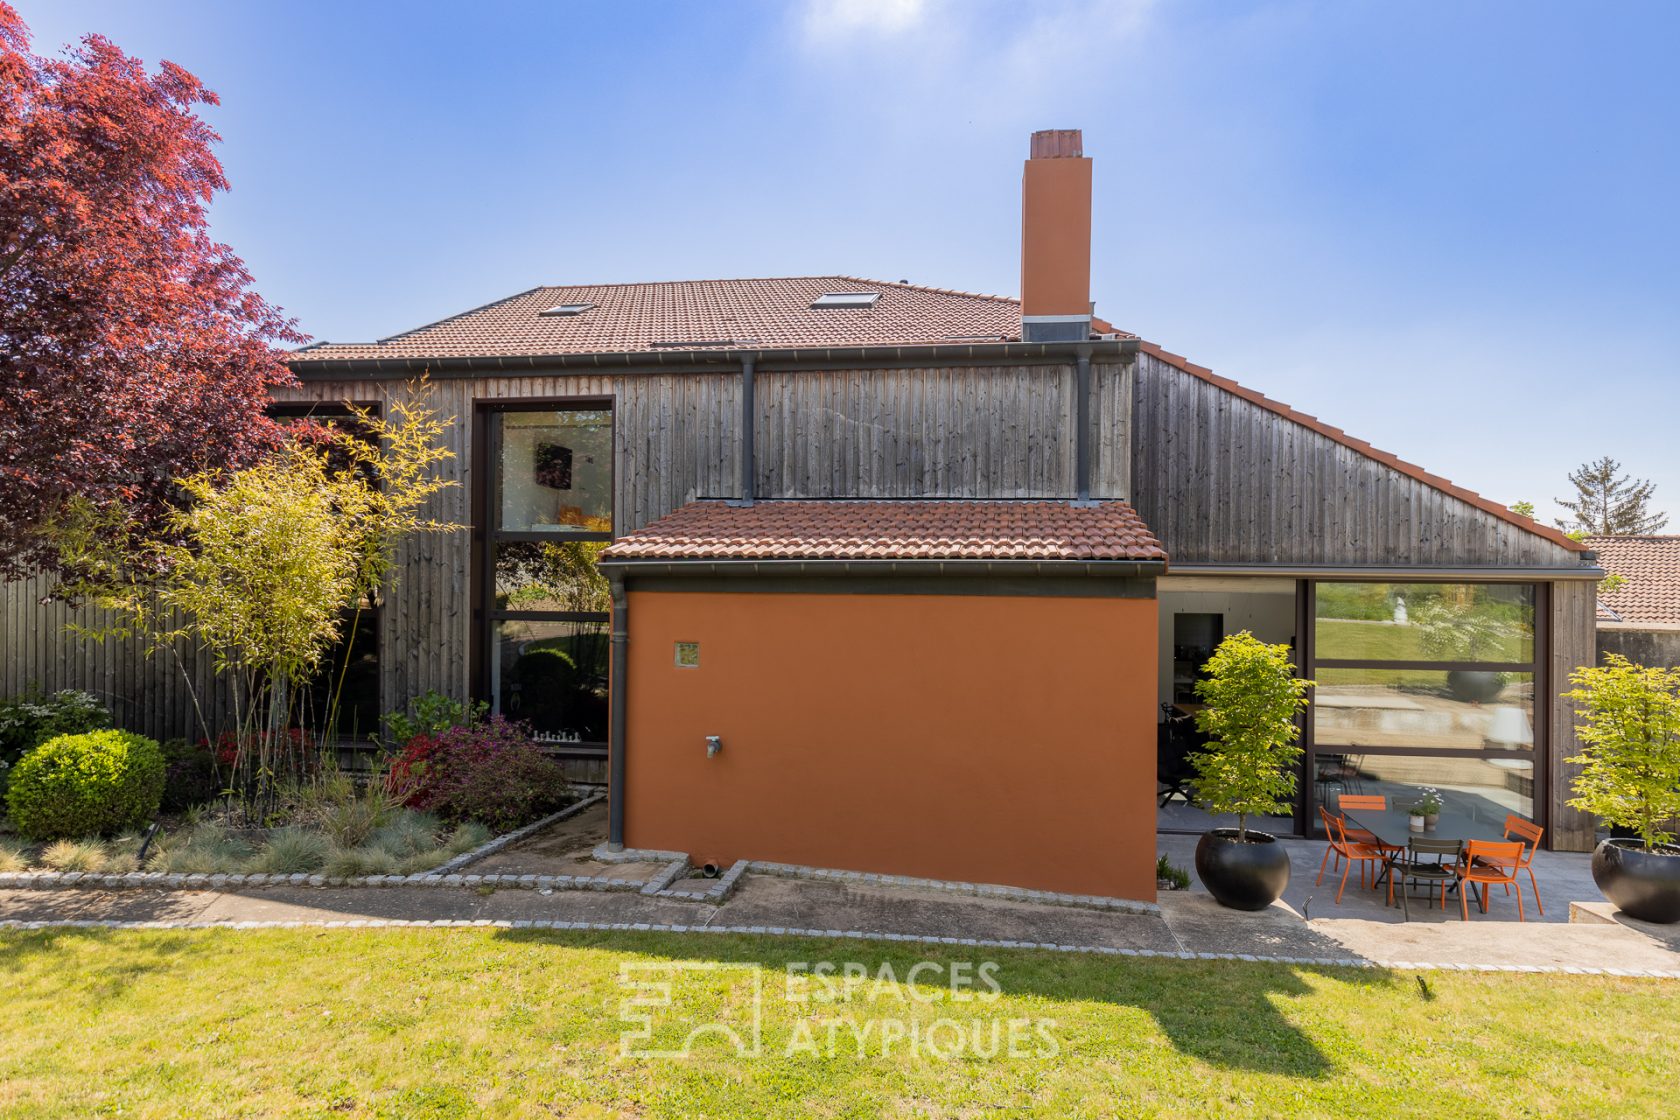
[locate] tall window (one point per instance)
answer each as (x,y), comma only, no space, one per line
(546,513)
(1427,684)
(345,690)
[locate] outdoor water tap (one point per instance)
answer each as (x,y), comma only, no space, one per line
(714,744)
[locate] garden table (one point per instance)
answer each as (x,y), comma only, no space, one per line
(1393,827)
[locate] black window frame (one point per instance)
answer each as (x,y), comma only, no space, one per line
(487,535)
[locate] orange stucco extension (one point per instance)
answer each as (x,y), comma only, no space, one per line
(973,738)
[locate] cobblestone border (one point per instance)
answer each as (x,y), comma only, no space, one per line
(497,843)
(846,935)
(446,874)
(725,884)
(978,890)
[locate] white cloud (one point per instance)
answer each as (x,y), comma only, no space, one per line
(830,21)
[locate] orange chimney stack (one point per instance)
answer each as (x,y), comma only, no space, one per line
(1056,239)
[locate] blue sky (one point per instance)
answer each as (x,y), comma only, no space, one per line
(1448,228)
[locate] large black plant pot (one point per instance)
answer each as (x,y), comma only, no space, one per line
(1475,686)
(1247,875)
(1643,885)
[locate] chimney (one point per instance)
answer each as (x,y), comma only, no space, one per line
(1056,239)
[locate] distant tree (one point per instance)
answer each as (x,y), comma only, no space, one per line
(1609,504)
(132,350)
(1523,509)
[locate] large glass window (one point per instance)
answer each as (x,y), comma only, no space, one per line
(1426,684)
(547,508)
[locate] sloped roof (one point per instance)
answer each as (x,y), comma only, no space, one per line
(776,313)
(1650,569)
(773,313)
(907,529)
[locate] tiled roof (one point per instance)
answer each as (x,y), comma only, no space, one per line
(697,315)
(1650,567)
(908,529)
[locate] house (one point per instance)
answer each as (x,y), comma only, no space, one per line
(919,581)
(1639,613)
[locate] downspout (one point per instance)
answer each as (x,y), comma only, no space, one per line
(749,477)
(1082,422)
(618,670)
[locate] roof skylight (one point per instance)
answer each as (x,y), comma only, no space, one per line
(845,299)
(565,309)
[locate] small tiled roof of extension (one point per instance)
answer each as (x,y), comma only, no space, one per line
(904,529)
(1649,594)
(768,314)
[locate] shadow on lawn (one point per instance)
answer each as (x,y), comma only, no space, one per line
(1225,1013)
(125,958)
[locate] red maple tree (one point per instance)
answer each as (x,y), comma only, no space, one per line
(132,348)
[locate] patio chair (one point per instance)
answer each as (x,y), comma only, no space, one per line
(1174,743)
(1517,828)
(1351,851)
(1489,863)
(1377,802)
(1425,861)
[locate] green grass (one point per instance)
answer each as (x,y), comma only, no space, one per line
(442,1023)
(1345,640)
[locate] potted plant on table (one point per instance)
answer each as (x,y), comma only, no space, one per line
(1426,810)
(1251,697)
(1630,777)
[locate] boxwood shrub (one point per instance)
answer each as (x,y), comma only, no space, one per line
(86,785)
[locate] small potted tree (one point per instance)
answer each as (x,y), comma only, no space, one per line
(1252,698)
(1630,777)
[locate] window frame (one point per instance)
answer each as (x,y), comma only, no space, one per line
(487,536)
(373,613)
(1539,756)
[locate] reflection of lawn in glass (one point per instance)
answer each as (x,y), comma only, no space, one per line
(1352,640)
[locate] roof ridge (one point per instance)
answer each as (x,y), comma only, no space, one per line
(1632,537)
(1387,458)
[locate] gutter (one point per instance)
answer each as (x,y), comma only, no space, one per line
(1413,574)
(618,676)
(624,570)
(669,360)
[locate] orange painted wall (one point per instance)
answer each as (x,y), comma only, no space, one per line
(976,738)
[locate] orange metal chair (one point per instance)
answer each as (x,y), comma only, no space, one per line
(1516,828)
(1490,863)
(1358,835)
(1351,851)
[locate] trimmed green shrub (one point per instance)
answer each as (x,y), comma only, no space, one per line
(86,785)
(30,720)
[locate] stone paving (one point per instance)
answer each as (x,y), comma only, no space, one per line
(1304,927)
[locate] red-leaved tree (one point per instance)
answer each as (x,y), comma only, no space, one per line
(132,350)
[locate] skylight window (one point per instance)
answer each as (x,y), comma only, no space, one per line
(565,309)
(845,299)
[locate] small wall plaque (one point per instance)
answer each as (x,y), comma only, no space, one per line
(688,655)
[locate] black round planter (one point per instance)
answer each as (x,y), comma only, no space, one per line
(1242,875)
(1643,885)
(1477,686)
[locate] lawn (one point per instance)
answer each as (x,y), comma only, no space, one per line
(423,1023)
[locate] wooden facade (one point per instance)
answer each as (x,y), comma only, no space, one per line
(1219,478)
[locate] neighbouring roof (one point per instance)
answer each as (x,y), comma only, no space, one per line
(906,529)
(696,315)
(1650,569)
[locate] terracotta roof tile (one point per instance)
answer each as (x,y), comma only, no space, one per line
(1650,567)
(908,529)
(697,315)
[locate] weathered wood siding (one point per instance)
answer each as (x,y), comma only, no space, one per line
(1222,480)
(973,431)
(1574,625)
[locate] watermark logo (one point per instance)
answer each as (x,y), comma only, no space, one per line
(934,1010)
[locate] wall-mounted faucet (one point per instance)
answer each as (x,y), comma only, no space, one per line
(714,744)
